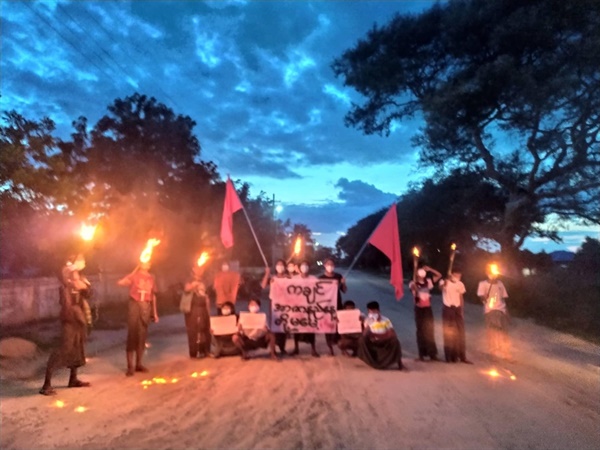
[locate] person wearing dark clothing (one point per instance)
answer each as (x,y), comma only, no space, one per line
(421,290)
(74,326)
(141,310)
(248,339)
(349,342)
(308,338)
(223,345)
(332,338)
(197,320)
(379,346)
(280,272)
(453,321)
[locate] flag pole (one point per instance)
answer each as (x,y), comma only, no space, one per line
(362,249)
(255,238)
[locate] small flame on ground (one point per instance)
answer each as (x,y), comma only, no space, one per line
(493,373)
(145,387)
(512,377)
(194,375)
(146,382)
(59,404)
(204,373)
(159,380)
(174,380)
(80,409)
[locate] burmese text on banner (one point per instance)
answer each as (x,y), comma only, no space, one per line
(303,305)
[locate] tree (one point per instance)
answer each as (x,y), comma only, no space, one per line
(508,87)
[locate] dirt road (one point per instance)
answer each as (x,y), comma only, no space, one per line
(329,402)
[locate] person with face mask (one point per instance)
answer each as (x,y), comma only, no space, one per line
(197,319)
(308,338)
(421,288)
(349,342)
(280,272)
(453,321)
(379,346)
(493,295)
(254,338)
(223,345)
(226,285)
(330,274)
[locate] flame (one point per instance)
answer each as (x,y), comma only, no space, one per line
(494,269)
(453,247)
(298,245)
(147,252)
(59,404)
(80,409)
(146,382)
(159,380)
(174,380)
(194,375)
(204,373)
(202,260)
(416,252)
(87,232)
(512,377)
(493,373)
(145,387)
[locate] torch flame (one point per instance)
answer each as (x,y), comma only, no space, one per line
(494,269)
(202,260)
(453,247)
(493,373)
(298,245)
(87,232)
(147,252)
(416,252)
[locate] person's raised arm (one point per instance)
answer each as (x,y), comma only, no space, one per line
(265,280)
(126,280)
(436,274)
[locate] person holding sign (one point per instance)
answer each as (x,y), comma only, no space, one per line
(226,285)
(421,288)
(221,336)
(453,320)
(197,318)
(349,340)
(141,310)
(493,295)
(330,274)
(308,338)
(253,331)
(280,272)
(379,346)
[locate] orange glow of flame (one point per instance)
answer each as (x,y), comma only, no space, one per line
(298,245)
(147,252)
(204,373)
(416,252)
(174,380)
(453,247)
(80,409)
(512,377)
(59,404)
(493,373)
(87,232)
(145,387)
(146,382)
(202,260)
(194,375)
(159,380)
(494,269)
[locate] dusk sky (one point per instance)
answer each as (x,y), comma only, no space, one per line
(254,75)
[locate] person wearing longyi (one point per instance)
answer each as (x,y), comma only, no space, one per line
(71,352)
(280,272)
(308,338)
(141,310)
(349,342)
(453,321)
(493,295)
(421,288)
(379,346)
(222,345)
(248,339)
(197,319)
(330,274)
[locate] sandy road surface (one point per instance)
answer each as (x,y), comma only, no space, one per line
(329,402)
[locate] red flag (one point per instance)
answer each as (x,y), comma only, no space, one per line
(231,205)
(386,238)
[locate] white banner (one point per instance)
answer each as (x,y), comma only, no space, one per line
(253,321)
(303,305)
(223,325)
(349,321)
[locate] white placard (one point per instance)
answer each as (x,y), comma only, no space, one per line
(349,321)
(223,325)
(303,305)
(253,321)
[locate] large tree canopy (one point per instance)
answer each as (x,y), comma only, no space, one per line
(506,86)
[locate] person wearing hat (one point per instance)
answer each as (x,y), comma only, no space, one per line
(453,320)
(421,288)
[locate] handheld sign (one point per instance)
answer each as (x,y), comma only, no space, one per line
(349,321)
(223,325)
(255,321)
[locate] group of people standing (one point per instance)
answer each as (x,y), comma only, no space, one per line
(378,344)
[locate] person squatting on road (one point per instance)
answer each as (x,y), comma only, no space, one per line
(379,346)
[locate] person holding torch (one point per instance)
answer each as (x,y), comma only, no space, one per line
(141,309)
(197,315)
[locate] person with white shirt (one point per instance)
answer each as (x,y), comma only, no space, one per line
(453,320)
(421,290)
(493,295)
(379,346)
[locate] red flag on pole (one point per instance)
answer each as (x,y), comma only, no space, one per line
(231,205)
(386,238)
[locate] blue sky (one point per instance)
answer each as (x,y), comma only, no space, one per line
(254,75)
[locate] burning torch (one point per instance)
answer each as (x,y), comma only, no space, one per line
(416,254)
(202,259)
(297,248)
(452,254)
(146,254)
